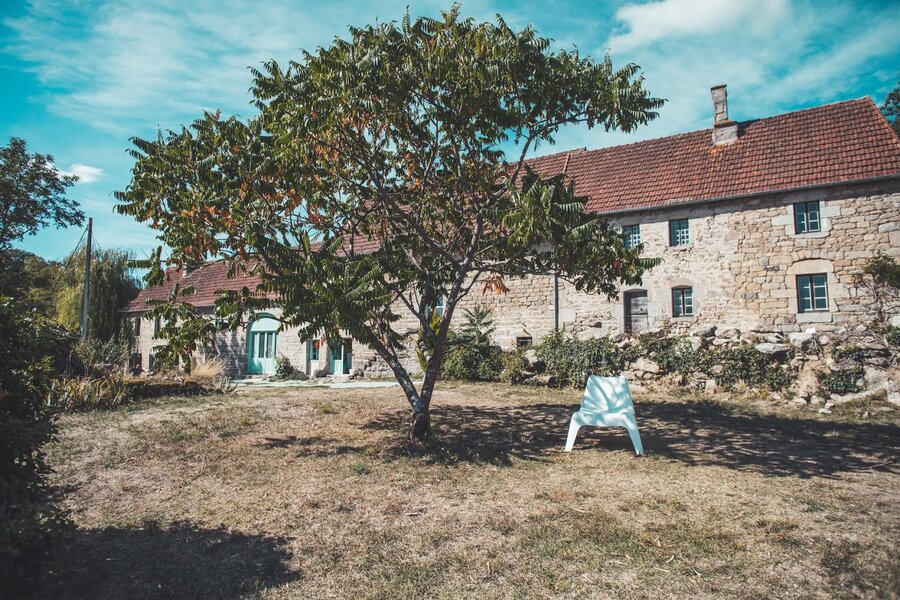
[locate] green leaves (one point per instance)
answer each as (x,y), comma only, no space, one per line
(32,194)
(373,178)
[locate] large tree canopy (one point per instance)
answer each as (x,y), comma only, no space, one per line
(373,181)
(32,194)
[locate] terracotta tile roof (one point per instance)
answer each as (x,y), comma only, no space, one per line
(847,141)
(829,144)
(207,280)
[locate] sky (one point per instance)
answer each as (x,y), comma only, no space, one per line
(79,78)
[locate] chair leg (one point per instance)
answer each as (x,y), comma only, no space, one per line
(634,434)
(573,433)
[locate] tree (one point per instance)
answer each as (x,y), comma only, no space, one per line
(891,109)
(32,194)
(29,280)
(372,183)
(112,287)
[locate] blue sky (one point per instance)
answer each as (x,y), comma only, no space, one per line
(78,78)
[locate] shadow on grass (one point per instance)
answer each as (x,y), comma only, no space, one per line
(313,446)
(180,560)
(696,433)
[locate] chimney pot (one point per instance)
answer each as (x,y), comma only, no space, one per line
(725,131)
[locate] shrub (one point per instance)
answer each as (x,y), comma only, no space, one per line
(285,370)
(892,336)
(746,364)
(210,370)
(842,381)
(674,354)
(473,362)
(86,393)
(30,355)
(569,361)
(96,352)
(849,353)
(283,367)
(515,366)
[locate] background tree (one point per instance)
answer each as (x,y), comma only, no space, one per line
(112,286)
(373,182)
(29,279)
(891,109)
(32,194)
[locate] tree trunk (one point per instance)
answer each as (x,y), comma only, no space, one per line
(419,425)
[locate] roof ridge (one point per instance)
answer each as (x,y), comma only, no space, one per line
(707,129)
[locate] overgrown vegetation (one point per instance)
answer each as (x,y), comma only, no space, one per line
(569,361)
(880,279)
(745,364)
(841,381)
(29,516)
(286,371)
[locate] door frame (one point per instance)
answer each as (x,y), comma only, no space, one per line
(626,309)
(262,323)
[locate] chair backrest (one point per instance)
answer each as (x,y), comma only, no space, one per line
(604,394)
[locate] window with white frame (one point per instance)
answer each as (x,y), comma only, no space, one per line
(806,217)
(683,302)
(632,235)
(812,293)
(679,233)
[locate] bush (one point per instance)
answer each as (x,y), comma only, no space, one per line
(285,370)
(87,393)
(849,353)
(473,362)
(515,366)
(892,336)
(30,355)
(746,364)
(842,381)
(674,354)
(569,361)
(96,352)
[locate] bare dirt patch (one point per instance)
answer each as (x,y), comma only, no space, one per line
(312,493)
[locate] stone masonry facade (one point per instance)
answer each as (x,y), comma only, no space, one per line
(741,264)
(730,194)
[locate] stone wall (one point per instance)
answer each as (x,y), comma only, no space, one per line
(742,263)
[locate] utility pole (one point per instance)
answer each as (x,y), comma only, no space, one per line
(86,292)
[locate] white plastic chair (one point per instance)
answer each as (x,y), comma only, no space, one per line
(606,403)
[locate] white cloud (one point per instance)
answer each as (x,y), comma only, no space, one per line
(84,173)
(666,19)
(120,63)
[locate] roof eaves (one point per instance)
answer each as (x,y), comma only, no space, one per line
(679,204)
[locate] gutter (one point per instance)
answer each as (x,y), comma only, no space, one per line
(804,188)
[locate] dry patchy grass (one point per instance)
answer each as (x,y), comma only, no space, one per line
(312,493)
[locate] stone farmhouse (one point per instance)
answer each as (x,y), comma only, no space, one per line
(761,226)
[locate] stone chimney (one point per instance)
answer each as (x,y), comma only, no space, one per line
(725,131)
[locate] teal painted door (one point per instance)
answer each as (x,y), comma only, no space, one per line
(336,360)
(340,359)
(262,346)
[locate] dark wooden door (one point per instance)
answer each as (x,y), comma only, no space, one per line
(635,311)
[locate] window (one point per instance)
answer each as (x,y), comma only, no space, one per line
(137,326)
(262,344)
(632,235)
(157,325)
(679,233)
(314,346)
(523,341)
(439,305)
(812,292)
(136,362)
(806,217)
(683,302)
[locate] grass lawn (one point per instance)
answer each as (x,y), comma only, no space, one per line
(312,493)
